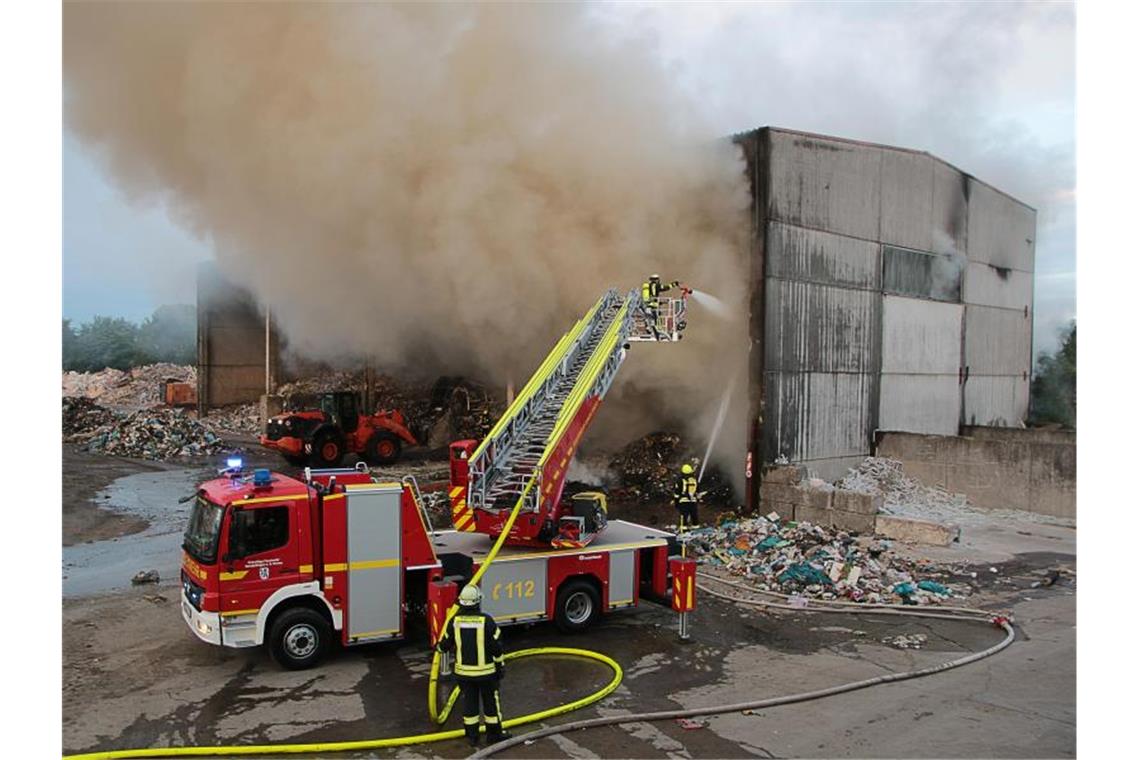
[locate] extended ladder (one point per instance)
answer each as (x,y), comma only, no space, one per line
(541,428)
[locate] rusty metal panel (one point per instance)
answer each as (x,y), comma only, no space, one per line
(987,285)
(1002,231)
(819,415)
(818,328)
(919,403)
(795,253)
(825,184)
(907,200)
(921,337)
(996,401)
(998,341)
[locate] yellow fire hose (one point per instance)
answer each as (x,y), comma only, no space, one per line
(437,715)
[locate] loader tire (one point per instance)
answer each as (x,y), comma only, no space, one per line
(382,448)
(328,449)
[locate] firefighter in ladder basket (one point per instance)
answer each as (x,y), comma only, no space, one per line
(651,289)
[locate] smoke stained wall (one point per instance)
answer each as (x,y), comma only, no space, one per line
(436,186)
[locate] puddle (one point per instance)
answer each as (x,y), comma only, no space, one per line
(105,566)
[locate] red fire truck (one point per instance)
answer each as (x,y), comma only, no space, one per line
(336,556)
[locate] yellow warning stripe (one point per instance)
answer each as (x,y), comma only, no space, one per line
(466,523)
(373,564)
(370,486)
(306,568)
(235,613)
(330,497)
(456,491)
(282,497)
(236,575)
(336,567)
(370,634)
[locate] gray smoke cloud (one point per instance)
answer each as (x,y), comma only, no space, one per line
(433,186)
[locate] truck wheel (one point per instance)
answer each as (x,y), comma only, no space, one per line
(299,638)
(577,606)
(382,448)
(328,449)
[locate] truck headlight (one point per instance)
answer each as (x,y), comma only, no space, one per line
(204,628)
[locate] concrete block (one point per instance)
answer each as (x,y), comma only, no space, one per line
(778,492)
(853,522)
(784,474)
(786,510)
(817,498)
(813,515)
(916,531)
(855,502)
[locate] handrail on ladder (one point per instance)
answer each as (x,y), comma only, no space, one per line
(420,501)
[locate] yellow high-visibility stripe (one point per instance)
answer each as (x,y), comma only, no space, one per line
(456,491)
(331,497)
(336,567)
(370,634)
(306,568)
(236,575)
(373,564)
(233,613)
(372,486)
(690,600)
(260,500)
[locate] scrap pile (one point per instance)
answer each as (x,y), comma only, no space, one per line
(159,433)
(241,418)
(648,469)
(885,477)
(136,388)
(811,561)
(82,417)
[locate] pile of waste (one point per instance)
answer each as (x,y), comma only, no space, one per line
(241,418)
(136,388)
(906,641)
(649,467)
(885,477)
(816,562)
(160,433)
(82,417)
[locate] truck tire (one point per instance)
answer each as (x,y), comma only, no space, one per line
(577,606)
(382,448)
(328,449)
(299,638)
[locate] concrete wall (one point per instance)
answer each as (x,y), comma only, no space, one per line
(231,343)
(997,468)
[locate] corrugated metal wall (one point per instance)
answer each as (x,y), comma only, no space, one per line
(834,358)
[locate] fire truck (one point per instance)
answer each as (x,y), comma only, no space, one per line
(336,556)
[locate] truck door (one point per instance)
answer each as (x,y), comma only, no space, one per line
(261,556)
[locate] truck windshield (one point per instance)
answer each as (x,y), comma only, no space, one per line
(201,538)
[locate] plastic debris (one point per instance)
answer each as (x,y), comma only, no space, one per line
(160,433)
(145,576)
(934,586)
(906,641)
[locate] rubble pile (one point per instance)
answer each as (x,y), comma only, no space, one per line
(137,388)
(241,418)
(812,561)
(885,477)
(82,417)
(648,468)
(160,433)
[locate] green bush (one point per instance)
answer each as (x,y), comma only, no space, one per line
(168,335)
(1054,388)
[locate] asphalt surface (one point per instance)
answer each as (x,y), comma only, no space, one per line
(135,676)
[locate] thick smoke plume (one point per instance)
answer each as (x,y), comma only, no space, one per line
(438,187)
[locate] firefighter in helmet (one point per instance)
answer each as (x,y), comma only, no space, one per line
(475,640)
(650,290)
(685,497)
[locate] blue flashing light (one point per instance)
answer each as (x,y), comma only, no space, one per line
(261,478)
(233,463)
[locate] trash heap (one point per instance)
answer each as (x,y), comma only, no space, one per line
(82,417)
(159,433)
(136,388)
(241,418)
(647,470)
(810,561)
(901,494)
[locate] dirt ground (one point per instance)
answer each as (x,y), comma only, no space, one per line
(135,676)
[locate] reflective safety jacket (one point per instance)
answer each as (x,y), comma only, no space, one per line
(650,290)
(685,492)
(476,642)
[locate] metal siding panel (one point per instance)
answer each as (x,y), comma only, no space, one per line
(374,594)
(996,401)
(920,336)
(622,581)
(949,208)
(989,286)
(795,253)
(818,415)
(825,184)
(998,341)
(1002,231)
(919,404)
(502,584)
(820,328)
(908,180)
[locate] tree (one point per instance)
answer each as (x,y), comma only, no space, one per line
(1054,388)
(107,342)
(170,334)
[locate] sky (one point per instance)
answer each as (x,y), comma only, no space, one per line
(988,87)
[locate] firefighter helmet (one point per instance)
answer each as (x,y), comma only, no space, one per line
(655,277)
(686,469)
(470,596)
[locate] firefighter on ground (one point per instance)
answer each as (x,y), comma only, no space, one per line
(474,639)
(685,496)
(650,290)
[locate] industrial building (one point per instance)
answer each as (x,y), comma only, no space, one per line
(891,291)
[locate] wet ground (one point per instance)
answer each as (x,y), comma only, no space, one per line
(135,676)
